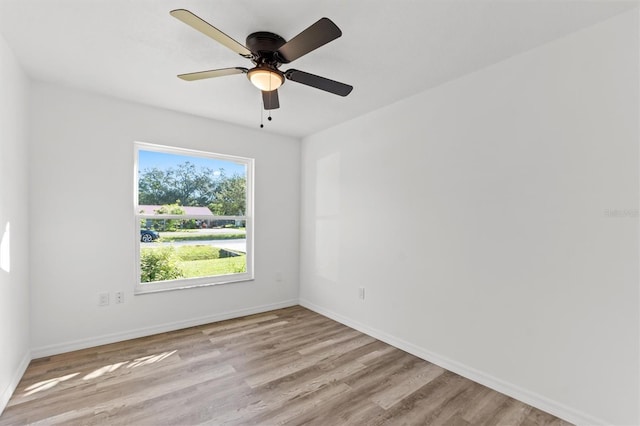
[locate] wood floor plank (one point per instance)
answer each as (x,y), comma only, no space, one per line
(299,406)
(428,402)
(303,362)
(288,366)
(235,324)
(453,406)
(405,384)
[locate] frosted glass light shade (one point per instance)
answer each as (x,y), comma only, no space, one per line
(265,79)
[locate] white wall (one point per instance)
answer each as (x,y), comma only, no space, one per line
(478,216)
(82,227)
(14,273)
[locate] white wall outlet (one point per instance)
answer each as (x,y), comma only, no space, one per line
(279,277)
(103,299)
(119,297)
(361,293)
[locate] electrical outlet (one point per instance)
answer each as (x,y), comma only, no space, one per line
(103,299)
(119,297)
(279,277)
(361,293)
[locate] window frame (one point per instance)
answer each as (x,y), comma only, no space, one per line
(248,218)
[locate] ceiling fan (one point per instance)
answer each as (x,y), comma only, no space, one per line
(268,51)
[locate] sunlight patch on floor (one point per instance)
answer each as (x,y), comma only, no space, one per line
(104,370)
(48,384)
(99,372)
(151,359)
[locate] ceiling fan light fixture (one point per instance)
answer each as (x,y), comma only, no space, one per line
(265,79)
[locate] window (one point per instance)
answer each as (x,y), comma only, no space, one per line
(194,218)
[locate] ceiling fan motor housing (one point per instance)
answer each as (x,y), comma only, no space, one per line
(265,45)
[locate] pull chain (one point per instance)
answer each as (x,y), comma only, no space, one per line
(270,100)
(261,114)
(262,107)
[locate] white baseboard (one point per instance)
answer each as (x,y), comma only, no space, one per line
(148,331)
(545,404)
(17,375)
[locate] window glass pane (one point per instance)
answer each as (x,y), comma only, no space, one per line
(173,249)
(193,218)
(193,185)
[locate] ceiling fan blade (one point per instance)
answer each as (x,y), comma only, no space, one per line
(212,73)
(209,30)
(270,99)
(318,82)
(318,34)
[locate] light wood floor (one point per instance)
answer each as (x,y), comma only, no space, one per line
(290,366)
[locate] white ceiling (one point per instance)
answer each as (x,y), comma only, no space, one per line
(133,49)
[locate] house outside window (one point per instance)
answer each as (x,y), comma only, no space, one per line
(194,218)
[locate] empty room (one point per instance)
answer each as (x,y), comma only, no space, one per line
(332,213)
